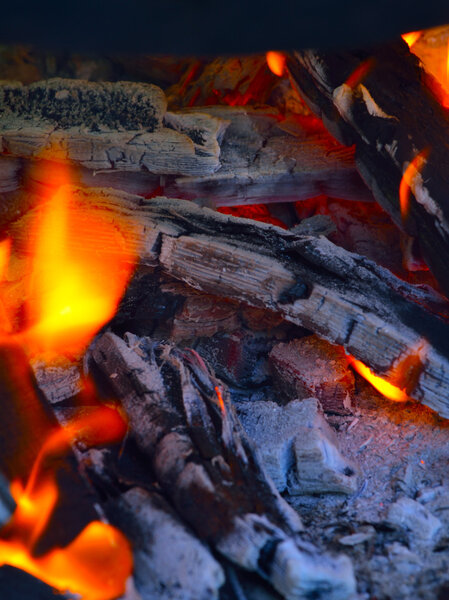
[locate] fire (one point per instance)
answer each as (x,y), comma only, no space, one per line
(97,563)
(410,173)
(387,389)
(74,290)
(276,62)
(411,38)
(359,74)
(220,400)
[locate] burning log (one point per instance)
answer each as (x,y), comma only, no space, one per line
(221,155)
(185,424)
(390,325)
(379,99)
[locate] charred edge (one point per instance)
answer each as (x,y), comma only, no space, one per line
(298,291)
(266,557)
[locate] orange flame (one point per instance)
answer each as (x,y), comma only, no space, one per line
(220,400)
(97,563)
(276,62)
(387,389)
(359,74)
(411,38)
(75,289)
(413,169)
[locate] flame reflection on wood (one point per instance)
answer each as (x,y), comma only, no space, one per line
(97,563)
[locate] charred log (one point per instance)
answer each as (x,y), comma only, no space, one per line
(390,325)
(184,422)
(381,100)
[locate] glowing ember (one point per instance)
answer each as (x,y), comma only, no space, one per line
(407,181)
(276,62)
(359,74)
(97,563)
(411,38)
(220,400)
(386,389)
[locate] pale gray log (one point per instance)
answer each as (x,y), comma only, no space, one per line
(207,466)
(341,296)
(106,126)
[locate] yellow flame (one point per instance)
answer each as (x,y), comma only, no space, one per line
(411,38)
(387,389)
(276,62)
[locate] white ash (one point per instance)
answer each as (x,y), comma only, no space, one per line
(298,447)
(415,519)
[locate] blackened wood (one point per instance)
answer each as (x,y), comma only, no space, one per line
(208,467)
(26,423)
(381,100)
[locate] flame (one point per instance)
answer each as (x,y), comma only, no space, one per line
(411,38)
(220,400)
(74,289)
(359,74)
(97,563)
(276,62)
(387,389)
(410,173)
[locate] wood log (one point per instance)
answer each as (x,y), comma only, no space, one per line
(105,126)
(382,100)
(390,325)
(267,158)
(206,465)
(106,129)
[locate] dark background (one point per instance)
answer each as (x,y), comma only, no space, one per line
(208,27)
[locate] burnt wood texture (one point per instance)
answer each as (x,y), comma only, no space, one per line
(392,326)
(381,100)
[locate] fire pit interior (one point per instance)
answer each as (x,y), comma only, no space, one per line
(224,368)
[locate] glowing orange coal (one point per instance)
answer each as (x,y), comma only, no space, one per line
(276,62)
(408,178)
(98,562)
(387,389)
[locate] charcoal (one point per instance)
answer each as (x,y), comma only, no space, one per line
(312,367)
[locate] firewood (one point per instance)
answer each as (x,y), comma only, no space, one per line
(106,126)
(390,325)
(265,158)
(207,466)
(170,563)
(220,155)
(382,100)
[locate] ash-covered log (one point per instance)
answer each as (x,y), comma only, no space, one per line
(381,99)
(121,135)
(183,421)
(390,325)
